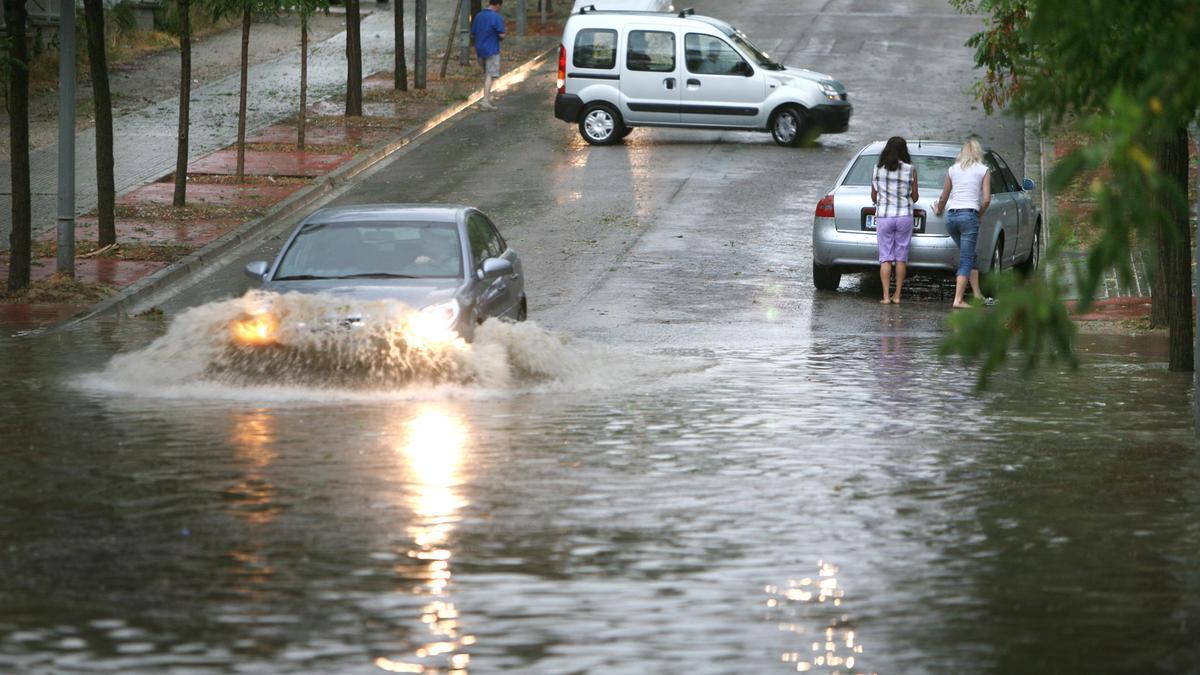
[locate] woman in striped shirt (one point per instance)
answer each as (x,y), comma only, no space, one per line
(894,190)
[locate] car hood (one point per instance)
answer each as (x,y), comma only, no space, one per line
(416,293)
(792,75)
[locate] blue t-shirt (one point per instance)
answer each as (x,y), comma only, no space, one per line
(487,28)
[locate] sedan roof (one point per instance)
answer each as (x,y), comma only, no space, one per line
(920,147)
(436,213)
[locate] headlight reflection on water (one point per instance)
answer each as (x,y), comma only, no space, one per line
(432,447)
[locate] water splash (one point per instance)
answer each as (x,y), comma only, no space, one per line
(319,344)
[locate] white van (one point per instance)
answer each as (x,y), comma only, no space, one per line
(620,70)
(624,5)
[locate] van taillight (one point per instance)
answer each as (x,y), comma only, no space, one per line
(825,207)
(562,69)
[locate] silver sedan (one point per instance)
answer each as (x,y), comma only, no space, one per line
(844,239)
(448,262)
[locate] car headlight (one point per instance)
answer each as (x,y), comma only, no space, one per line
(830,91)
(254,329)
(443,313)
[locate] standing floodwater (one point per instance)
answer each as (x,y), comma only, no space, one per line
(751,510)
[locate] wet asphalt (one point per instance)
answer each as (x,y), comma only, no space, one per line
(720,470)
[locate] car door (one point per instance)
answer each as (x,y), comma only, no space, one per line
(491,295)
(1024,209)
(720,87)
(512,286)
(650,76)
(1001,218)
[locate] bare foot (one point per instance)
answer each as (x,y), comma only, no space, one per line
(961,305)
(896,300)
(884,301)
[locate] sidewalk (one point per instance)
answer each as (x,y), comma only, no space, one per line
(145,141)
(160,245)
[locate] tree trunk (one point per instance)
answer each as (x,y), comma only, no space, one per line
(450,40)
(353,60)
(400,71)
(1175,250)
(185,102)
(420,46)
(241,135)
(20,248)
(106,193)
(303,79)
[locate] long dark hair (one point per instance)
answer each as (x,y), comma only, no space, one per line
(894,152)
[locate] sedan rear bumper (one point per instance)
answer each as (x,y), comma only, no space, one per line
(860,250)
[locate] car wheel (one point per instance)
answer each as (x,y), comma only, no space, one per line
(788,126)
(601,125)
(826,277)
(1034,261)
(626,132)
(523,312)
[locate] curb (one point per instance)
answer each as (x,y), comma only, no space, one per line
(162,281)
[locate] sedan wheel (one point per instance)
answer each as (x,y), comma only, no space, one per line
(1034,261)
(599,125)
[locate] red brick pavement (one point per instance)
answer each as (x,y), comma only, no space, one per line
(318,136)
(274,163)
(250,196)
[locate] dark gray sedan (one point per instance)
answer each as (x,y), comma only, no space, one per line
(448,262)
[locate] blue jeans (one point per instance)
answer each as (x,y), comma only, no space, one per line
(963,227)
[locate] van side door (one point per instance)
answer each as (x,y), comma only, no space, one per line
(721,88)
(650,69)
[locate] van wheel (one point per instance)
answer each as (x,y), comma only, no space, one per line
(601,125)
(788,126)
(826,277)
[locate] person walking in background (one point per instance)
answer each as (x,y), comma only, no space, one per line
(488,30)
(893,190)
(965,197)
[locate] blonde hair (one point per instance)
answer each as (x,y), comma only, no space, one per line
(971,153)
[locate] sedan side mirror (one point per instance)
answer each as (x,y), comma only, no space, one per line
(1028,185)
(257,270)
(495,267)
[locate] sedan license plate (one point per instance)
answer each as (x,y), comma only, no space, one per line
(868,223)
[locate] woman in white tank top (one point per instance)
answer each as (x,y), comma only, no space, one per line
(965,197)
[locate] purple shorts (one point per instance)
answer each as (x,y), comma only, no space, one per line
(894,235)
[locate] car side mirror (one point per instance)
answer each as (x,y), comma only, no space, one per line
(1028,185)
(493,268)
(742,68)
(257,270)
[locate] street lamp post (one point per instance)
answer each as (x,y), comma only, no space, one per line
(66,138)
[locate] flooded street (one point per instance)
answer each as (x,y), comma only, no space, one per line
(752,510)
(688,461)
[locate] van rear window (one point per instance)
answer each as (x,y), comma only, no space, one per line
(596,48)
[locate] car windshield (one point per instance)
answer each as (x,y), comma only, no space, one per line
(399,250)
(739,38)
(931,171)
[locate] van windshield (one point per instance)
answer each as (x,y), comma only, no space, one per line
(739,38)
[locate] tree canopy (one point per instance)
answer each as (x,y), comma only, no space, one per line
(1126,73)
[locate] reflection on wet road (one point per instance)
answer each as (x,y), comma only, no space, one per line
(775,509)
